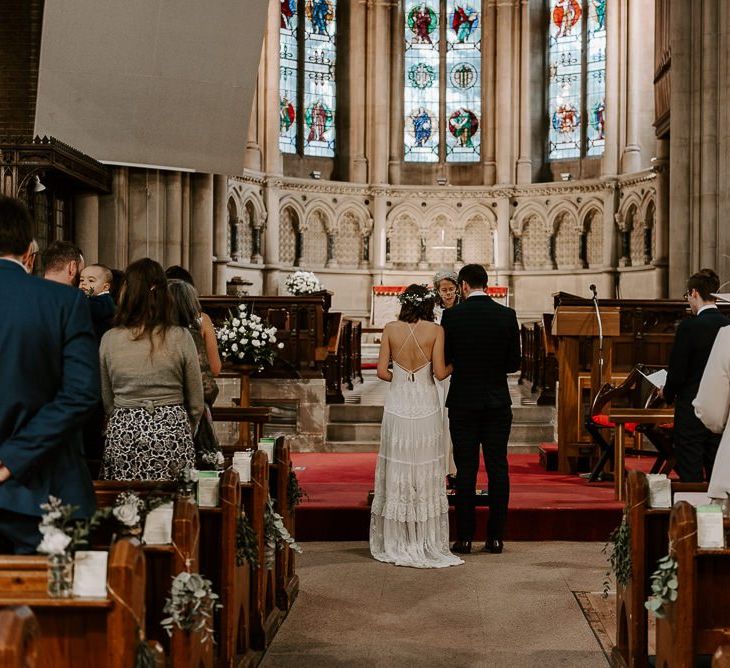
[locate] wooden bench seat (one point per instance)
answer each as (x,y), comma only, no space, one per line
(19,637)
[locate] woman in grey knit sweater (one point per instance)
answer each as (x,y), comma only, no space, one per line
(150,381)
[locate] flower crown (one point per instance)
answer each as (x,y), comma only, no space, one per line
(416,300)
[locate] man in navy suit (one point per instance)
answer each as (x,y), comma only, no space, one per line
(49,375)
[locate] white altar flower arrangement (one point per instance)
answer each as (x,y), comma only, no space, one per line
(303,283)
(244,338)
(191,605)
(276,535)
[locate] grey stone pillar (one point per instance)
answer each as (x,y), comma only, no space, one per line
(504,93)
(201,232)
(524,162)
(220,232)
(610,166)
(173,218)
(86,224)
(271,238)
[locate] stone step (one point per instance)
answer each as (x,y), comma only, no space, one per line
(522,432)
(514,448)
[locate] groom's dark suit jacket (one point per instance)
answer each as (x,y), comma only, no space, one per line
(483,344)
(49,380)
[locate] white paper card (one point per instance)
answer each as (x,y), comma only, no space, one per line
(158,525)
(660,491)
(90,573)
(242,464)
(208,489)
(710,533)
(693,498)
(658,378)
(268,448)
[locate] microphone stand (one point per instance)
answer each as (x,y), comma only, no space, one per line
(600,335)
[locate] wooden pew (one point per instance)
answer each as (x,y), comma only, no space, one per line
(76,631)
(287,581)
(266,617)
(164,562)
(649,542)
(699,620)
(257,416)
(232,582)
(19,637)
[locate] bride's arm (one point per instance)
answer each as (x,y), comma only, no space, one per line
(384,373)
(440,369)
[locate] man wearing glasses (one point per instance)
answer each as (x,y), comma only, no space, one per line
(695,445)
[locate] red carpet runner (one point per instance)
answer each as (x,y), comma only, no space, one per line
(543,505)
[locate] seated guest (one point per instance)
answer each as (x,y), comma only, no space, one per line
(50,379)
(96,280)
(151,383)
(695,445)
(712,405)
(206,327)
(63,263)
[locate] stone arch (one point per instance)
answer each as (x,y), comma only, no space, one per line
(477,209)
(524,213)
(567,238)
(250,219)
(536,244)
(314,238)
(322,212)
(478,240)
(441,241)
(635,230)
(407,209)
(404,241)
(358,212)
(349,240)
(649,232)
(592,226)
(232,234)
(289,225)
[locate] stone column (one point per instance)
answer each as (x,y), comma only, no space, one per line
(356,41)
(380,212)
(661,217)
(503,234)
(636,33)
(173,218)
(331,259)
(396,90)
(220,232)
(378,78)
(489,27)
(524,162)
(272,156)
(86,224)
(609,226)
(252,157)
(201,232)
(271,238)
(113,221)
(609,163)
(504,93)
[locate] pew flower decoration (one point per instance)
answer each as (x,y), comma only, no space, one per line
(245,339)
(276,535)
(191,605)
(618,553)
(247,544)
(303,283)
(664,583)
(60,532)
(127,511)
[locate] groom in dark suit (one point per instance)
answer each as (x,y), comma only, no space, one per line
(49,375)
(483,344)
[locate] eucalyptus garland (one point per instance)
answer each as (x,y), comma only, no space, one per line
(618,552)
(276,535)
(664,583)
(294,492)
(247,544)
(191,605)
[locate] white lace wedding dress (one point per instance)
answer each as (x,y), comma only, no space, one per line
(409,522)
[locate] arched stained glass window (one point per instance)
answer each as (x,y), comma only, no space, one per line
(577,78)
(307,44)
(442,81)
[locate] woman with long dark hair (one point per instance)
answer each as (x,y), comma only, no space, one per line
(151,382)
(409,517)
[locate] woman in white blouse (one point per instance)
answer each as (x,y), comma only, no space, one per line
(711,407)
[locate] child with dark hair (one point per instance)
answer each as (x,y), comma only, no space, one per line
(96,280)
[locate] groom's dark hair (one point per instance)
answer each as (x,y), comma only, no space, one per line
(474,275)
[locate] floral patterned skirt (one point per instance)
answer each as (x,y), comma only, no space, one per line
(147,445)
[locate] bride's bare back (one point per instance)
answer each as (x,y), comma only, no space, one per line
(412,346)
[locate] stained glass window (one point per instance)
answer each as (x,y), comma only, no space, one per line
(576,73)
(288,76)
(596,78)
(307,43)
(463,86)
(442,86)
(319,77)
(421,73)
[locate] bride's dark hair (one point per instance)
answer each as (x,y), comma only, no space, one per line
(417,302)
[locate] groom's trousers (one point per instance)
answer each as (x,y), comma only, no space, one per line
(469,428)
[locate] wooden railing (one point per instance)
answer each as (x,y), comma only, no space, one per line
(539,365)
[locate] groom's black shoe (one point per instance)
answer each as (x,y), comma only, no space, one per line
(493,545)
(462,547)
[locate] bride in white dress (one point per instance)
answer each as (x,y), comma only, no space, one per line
(409,523)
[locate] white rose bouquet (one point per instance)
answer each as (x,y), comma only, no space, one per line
(127,511)
(60,533)
(245,339)
(303,283)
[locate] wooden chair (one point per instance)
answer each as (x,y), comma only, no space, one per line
(184,648)
(649,529)
(287,581)
(19,637)
(79,631)
(698,621)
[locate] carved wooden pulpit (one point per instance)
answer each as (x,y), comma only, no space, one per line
(571,324)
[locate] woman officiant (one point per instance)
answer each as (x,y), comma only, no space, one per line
(447,290)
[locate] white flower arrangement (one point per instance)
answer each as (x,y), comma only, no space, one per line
(414,299)
(245,339)
(127,510)
(60,533)
(303,283)
(191,605)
